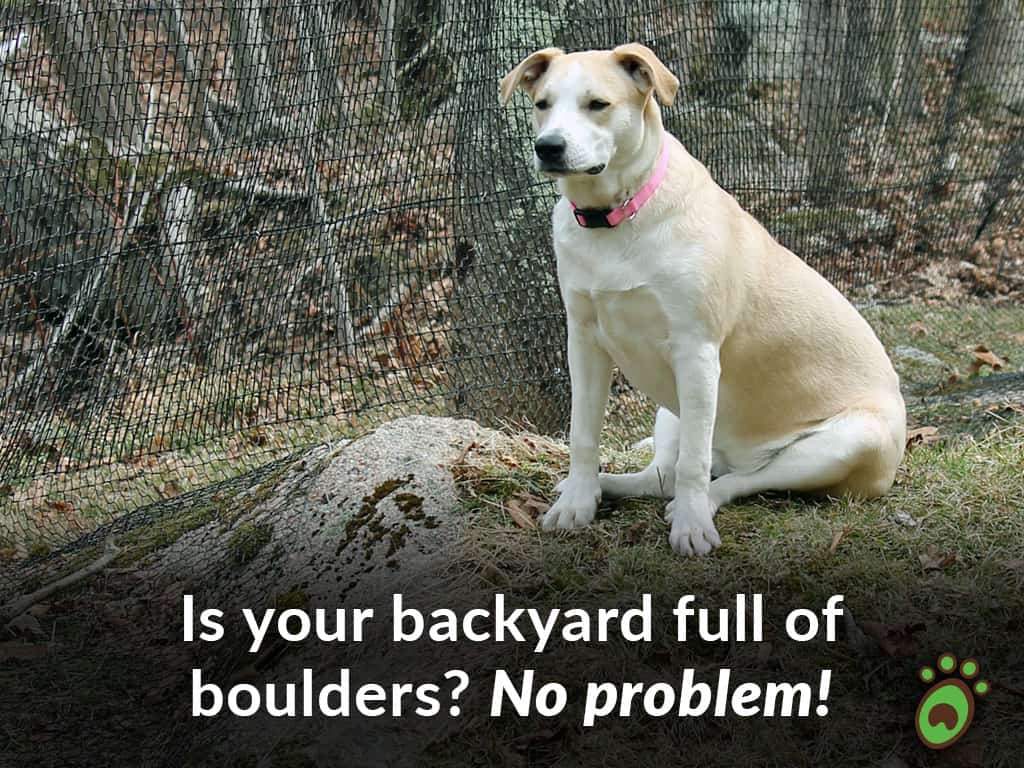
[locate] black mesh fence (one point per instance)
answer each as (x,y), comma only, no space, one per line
(231,230)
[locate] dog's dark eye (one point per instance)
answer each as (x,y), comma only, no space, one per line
(596,105)
(542,104)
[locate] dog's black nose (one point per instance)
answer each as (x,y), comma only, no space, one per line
(550,149)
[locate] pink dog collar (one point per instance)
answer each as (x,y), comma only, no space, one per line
(595,218)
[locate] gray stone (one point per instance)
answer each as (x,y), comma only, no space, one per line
(343,526)
(913,354)
(353,515)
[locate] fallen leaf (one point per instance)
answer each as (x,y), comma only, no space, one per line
(922,436)
(1016,564)
(525,509)
(837,539)
(984,356)
(918,328)
(934,560)
(635,533)
(894,639)
(170,489)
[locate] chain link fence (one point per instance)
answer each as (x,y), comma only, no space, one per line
(231,230)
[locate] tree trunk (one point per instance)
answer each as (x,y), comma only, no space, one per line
(506,278)
(905,76)
(249,64)
(89,50)
(822,92)
(994,68)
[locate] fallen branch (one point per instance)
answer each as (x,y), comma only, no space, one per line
(17,607)
(281,126)
(252,188)
(399,296)
(10,47)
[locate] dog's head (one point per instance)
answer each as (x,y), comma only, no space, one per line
(589,108)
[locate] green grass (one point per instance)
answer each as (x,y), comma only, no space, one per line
(943,549)
(950,333)
(966,494)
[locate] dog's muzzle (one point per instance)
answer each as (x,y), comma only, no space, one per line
(551,151)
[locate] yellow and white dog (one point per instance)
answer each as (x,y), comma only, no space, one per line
(767,378)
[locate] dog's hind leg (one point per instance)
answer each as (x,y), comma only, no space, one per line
(659,477)
(856,453)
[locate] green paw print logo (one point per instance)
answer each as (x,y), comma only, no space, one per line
(947,708)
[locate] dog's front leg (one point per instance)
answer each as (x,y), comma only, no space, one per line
(590,372)
(696,368)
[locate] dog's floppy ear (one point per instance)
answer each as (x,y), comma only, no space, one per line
(527,72)
(647,71)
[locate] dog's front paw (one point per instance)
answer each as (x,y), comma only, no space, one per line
(693,527)
(575,507)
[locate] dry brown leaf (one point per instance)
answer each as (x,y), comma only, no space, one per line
(917,328)
(934,560)
(984,356)
(838,537)
(922,436)
(1016,564)
(894,639)
(635,533)
(525,509)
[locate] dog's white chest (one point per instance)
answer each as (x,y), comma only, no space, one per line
(632,326)
(633,317)
(632,289)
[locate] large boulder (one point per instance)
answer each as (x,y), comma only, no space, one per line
(340,520)
(341,526)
